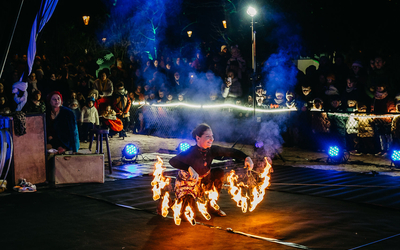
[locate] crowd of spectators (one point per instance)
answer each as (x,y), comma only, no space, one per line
(223,77)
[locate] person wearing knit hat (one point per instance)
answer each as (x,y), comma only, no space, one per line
(357,64)
(61,127)
(20,94)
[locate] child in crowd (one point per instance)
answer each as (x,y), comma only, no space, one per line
(290,100)
(111,120)
(279,100)
(89,118)
(74,106)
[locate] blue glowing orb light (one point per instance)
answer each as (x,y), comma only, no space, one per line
(130,151)
(259,144)
(333,151)
(183,146)
(396,156)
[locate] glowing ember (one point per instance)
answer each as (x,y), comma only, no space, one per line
(165,205)
(159,181)
(189,214)
(177,212)
(203,210)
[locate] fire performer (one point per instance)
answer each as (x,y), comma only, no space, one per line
(195,175)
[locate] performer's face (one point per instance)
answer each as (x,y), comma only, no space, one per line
(206,140)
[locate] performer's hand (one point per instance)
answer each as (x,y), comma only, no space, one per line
(193,174)
(248,163)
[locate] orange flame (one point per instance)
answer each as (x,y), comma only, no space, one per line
(213,196)
(236,191)
(257,193)
(203,210)
(165,205)
(189,214)
(177,212)
(159,181)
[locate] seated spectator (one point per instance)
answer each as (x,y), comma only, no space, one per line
(111,121)
(89,118)
(61,127)
(231,89)
(103,85)
(35,104)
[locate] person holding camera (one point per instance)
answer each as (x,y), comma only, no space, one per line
(231,89)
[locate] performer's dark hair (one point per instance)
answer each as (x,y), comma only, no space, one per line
(199,130)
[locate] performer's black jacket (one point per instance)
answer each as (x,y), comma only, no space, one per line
(200,159)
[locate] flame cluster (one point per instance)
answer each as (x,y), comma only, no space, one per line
(246,196)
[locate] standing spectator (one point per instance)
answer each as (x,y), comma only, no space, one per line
(236,63)
(35,104)
(380,75)
(231,89)
(89,118)
(103,85)
(122,105)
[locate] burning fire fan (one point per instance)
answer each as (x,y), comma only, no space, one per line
(203,196)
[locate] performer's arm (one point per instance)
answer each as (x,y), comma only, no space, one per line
(178,162)
(232,153)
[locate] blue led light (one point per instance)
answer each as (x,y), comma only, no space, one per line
(396,155)
(183,146)
(333,151)
(130,151)
(259,144)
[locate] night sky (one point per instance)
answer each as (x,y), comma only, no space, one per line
(350,27)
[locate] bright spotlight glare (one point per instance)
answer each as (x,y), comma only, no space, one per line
(333,151)
(251,11)
(183,146)
(259,144)
(396,155)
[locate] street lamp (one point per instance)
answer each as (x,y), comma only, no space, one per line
(252,12)
(224,23)
(86,19)
(189,32)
